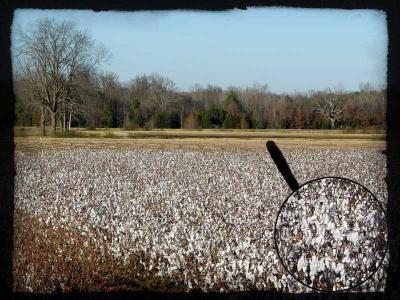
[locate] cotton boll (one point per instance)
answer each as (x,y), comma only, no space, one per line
(301,263)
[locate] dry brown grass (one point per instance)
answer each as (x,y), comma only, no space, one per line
(211,133)
(28,139)
(27,144)
(232,133)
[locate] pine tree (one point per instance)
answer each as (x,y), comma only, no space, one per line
(107,115)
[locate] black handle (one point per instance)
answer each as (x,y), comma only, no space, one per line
(282,165)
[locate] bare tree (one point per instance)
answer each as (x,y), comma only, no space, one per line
(108,83)
(37,94)
(254,100)
(162,90)
(73,104)
(51,54)
(331,106)
(208,96)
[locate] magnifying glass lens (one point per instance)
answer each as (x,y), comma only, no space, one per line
(331,234)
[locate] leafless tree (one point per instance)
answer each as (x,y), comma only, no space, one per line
(331,106)
(209,96)
(108,82)
(254,100)
(162,90)
(51,55)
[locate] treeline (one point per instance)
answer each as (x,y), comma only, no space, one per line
(58,81)
(152,101)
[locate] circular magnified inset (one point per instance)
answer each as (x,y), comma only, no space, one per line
(331,234)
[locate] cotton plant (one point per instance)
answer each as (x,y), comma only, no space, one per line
(205,218)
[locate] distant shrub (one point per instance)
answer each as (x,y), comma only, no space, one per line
(191,122)
(90,127)
(166,120)
(67,134)
(108,115)
(320,124)
(349,129)
(110,135)
(231,122)
(245,122)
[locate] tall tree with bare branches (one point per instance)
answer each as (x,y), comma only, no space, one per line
(51,55)
(331,106)
(162,90)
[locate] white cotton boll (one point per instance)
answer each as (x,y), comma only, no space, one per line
(313,265)
(327,219)
(260,269)
(337,235)
(354,238)
(321,265)
(249,276)
(246,265)
(319,240)
(301,263)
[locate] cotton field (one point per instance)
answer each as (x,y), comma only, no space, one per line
(203,218)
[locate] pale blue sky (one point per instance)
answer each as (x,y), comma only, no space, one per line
(286,48)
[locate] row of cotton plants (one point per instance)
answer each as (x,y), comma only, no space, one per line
(202,218)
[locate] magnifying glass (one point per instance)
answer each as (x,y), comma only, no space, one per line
(330,233)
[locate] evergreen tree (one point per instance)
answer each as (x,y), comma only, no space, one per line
(137,119)
(231,121)
(233,109)
(244,122)
(217,116)
(108,115)
(205,120)
(232,98)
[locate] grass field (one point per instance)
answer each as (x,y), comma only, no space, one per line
(28,139)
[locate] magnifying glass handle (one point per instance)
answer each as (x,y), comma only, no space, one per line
(282,165)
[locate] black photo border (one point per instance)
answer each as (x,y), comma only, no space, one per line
(7,169)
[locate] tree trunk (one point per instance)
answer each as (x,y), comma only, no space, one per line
(64,124)
(333,123)
(53,122)
(125,118)
(69,121)
(66,120)
(43,122)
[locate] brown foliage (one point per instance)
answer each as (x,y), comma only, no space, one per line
(191,122)
(299,120)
